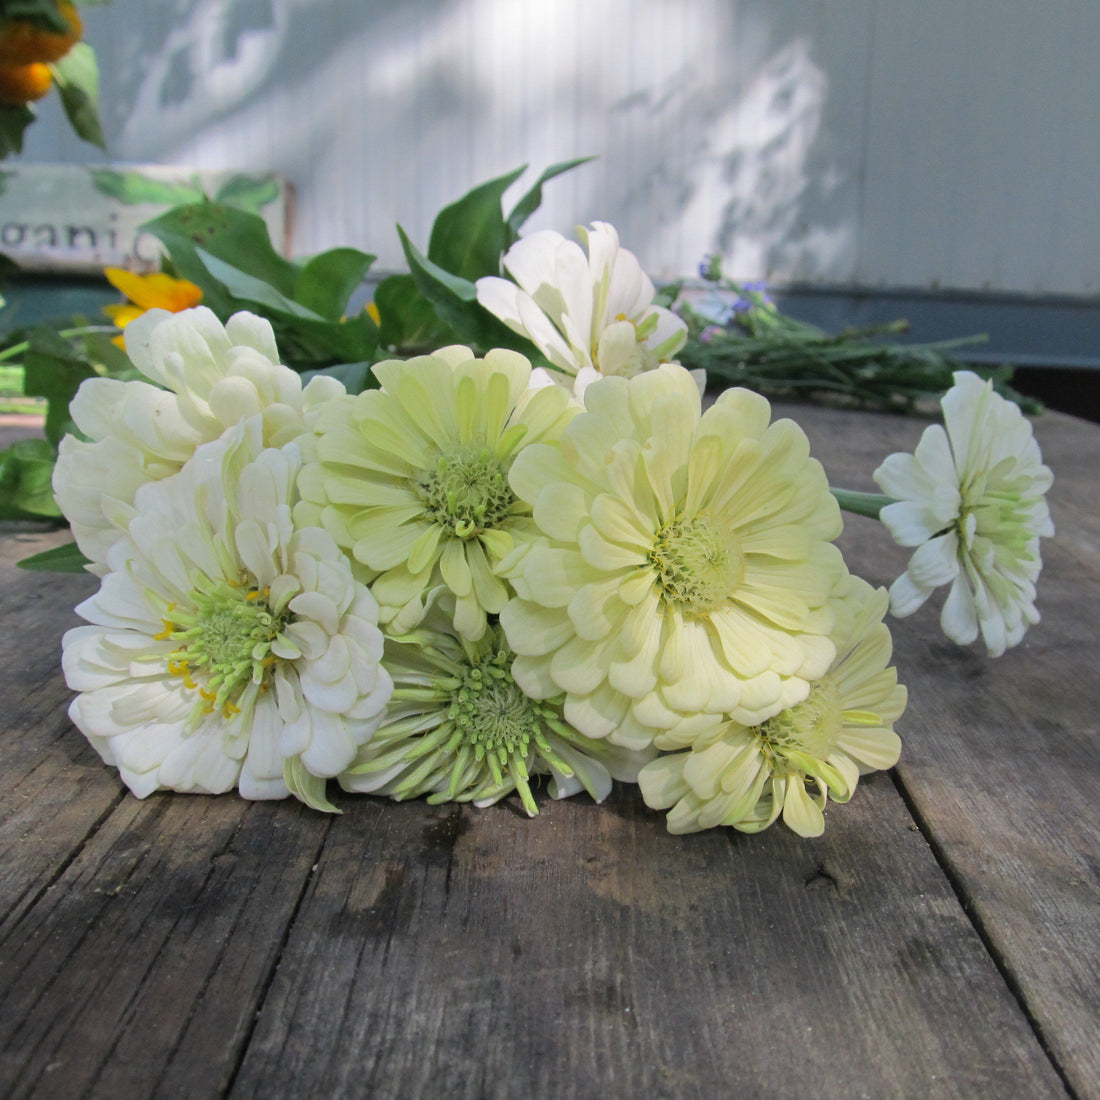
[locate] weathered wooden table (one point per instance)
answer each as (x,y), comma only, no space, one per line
(941,940)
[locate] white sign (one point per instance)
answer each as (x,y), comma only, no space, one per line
(75,218)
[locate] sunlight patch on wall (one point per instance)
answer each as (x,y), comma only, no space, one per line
(707,118)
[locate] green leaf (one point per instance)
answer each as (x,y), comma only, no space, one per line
(14,119)
(469,236)
(42,13)
(533,199)
(455,302)
(134,187)
(356,377)
(233,236)
(53,370)
(435,281)
(328,280)
(247,288)
(60,559)
(77,78)
(228,253)
(250,193)
(101,350)
(26,471)
(306,344)
(453,297)
(409,320)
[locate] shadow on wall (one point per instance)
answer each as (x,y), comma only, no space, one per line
(191,64)
(756,165)
(348,99)
(711,118)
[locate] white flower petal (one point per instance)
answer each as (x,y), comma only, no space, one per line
(139,433)
(971,499)
(164,697)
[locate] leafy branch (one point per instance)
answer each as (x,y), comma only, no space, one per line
(752,344)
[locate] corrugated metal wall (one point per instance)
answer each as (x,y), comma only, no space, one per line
(951,143)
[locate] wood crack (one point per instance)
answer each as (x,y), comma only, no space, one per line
(966,903)
(64,864)
(269,977)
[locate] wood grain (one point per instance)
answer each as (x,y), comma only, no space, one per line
(478,954)
(1002,757)
(937,942)
(53,786)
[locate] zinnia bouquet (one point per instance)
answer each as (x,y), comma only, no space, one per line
(488,534)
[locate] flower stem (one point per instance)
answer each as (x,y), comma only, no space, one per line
(861,504)
(85,330)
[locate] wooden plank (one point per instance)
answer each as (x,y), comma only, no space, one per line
(53,786)
(135,937)
(1001,757)
(475,953)
(468,953)
(139,970)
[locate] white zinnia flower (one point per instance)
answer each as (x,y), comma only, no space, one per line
(460,729)
(203,379)
(412,479)
(227,647)
(686,563)
(745,776)
(971,499)
(589,315)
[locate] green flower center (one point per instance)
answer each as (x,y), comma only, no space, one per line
(808,729)
(467,492)
(471,733)
(699,563)
(1000,515)
(492,713)
(224,641)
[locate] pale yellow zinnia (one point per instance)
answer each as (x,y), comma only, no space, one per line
(792,763)
(412,479)
(685,563)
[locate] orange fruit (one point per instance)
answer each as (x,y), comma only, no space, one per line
(22,83)
(22,43)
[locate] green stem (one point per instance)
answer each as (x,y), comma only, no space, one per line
(862,504)
(85,330)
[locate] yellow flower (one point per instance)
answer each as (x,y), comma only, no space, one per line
(155,291)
